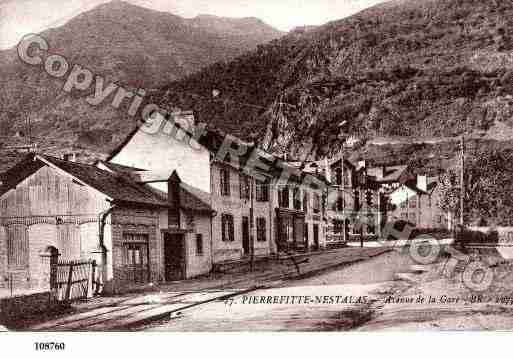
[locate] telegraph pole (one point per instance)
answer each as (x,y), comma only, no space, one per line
(462,186)
(252,222)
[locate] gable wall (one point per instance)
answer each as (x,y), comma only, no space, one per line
(164,152)
(47,209)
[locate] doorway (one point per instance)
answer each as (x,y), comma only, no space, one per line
(245,235)
(174,254)
(316,237)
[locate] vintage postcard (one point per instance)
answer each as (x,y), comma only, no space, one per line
(255,166)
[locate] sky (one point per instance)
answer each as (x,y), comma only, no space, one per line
(21,17)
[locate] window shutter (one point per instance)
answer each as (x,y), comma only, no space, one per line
(232,230)
(223,227)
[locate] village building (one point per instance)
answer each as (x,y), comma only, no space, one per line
(78,211)
(259,212)
(417,202)
(300,211)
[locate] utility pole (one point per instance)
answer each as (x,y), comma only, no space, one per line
(462,186)
(29,132)
(252,222)
(341,194)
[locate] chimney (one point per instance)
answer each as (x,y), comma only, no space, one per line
(381,172)
(173,198)
(422,182)
(327,167)
(70,157)
(184,119)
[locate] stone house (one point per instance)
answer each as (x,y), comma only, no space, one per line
(417,202)
(84,212)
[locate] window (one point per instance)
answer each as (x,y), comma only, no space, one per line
(347,179)
(245,186)
(261,230)
(369,198)
(284,197)
(297,198)
(262,192)
(306,199)
(403,204)
(225,182)
(316,203)
(357,201)
(413,218)
(227,228)
(135,249)
(17,246)
(338,175)
(371,224)
(340,203)
(199,244)
(287,229)
(338,226)
(413,202)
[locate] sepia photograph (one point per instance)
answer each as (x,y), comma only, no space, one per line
(255,166)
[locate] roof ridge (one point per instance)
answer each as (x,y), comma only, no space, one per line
(192,194)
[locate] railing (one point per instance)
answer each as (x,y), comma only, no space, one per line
(72,280)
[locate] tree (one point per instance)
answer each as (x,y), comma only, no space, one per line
(488,187)
(449,201)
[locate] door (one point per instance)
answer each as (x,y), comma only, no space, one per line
(307,244)
(245,235)
(174,252)
(316,236)
(299,226)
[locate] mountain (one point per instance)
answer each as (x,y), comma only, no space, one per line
(421,68)
(130,45)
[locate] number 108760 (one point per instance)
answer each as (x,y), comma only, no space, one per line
(49,346)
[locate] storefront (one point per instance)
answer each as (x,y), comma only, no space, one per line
(291,229)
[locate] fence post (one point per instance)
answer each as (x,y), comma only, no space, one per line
(70,283)
(92,278)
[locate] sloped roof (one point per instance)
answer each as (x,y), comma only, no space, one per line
(23,168)
(191,198)
(392,173)
(195,198)
(113,185)
(119,168)
(119,188)
(432,182)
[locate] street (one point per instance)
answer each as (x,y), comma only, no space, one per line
(171,300)
(387,292)
(370,279)
(341,290)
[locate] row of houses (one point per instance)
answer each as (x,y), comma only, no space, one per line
(169,203)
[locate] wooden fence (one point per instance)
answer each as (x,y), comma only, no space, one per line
(72,280)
